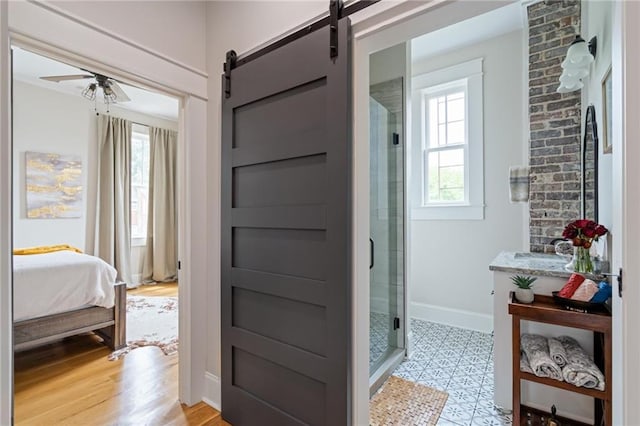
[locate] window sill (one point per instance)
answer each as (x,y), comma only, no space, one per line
(448,212)
(138,242)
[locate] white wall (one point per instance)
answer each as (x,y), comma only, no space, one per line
(153,25)
(449,277)
(598,21)
(49,122)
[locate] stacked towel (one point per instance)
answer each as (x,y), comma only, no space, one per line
(585,291)
(557,352)
(519,183)
(536,348)
(571,286)
(580,369)
(524,363)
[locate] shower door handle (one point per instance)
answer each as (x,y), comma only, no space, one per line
(371,247)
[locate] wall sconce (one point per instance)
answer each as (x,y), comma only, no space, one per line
(575,67)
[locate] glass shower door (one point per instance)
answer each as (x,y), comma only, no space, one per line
(386,222)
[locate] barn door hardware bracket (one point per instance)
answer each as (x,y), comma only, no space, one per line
(335,13)
(229,64)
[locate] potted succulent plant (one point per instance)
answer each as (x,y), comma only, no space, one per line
(524,293)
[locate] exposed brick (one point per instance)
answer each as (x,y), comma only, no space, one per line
(554,123)
(562,141)
(562,123)
(566,103)
(541,47)
(541,29)
(535,74)
(571,131)
(570,149)
(535,91)
(545,134)
(544,98)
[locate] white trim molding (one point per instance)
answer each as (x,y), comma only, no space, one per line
(472,208)
(454,317)
(212,391)
(6,317)
(52,33)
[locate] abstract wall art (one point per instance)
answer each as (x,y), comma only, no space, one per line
(54,185)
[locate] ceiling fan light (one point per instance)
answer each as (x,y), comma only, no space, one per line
(109,95)
(90,91)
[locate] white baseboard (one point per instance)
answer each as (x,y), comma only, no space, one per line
(454,317)
(212,391)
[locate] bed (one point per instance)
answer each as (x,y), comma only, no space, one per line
(64,293)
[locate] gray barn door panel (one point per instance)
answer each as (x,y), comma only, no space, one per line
(286,279)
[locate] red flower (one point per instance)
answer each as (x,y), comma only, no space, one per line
(601,230)
(583,232)
(583,223)
(570,232)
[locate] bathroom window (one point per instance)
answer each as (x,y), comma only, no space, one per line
(445,145)
(447,104)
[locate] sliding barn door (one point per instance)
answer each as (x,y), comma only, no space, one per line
(286,281)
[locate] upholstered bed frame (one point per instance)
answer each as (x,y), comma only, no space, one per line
(108,323)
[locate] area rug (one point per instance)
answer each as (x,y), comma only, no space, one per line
(151,321)
(401,402)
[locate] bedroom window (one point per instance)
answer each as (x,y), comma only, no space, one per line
(448,105)
(139,183)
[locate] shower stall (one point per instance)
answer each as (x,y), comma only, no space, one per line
(387,230)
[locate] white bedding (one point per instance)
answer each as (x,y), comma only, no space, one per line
(51,283)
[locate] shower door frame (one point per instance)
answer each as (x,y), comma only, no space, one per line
(398,354)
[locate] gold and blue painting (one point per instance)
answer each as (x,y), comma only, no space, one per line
(54,185)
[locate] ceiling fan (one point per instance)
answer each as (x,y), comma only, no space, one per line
(111,90)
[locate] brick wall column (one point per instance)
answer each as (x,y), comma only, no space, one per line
(554,123)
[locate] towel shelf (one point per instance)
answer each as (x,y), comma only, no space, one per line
(545,310)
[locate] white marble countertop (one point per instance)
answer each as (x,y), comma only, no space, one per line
(540,264)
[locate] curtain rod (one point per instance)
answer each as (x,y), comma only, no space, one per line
(135,122)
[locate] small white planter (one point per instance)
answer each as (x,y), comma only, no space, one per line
(524,295)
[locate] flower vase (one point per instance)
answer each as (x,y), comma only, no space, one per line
(581,261)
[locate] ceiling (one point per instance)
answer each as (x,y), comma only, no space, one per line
(474,30)
(28,67)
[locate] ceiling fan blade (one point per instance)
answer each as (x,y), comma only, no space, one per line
(58,78)
(120,95)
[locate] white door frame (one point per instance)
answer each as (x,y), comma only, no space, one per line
(375,34)
(6,339)
(371,35)
(71,40)
(626,211)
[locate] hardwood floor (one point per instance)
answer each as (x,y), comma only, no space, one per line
(160,289)
(72,383)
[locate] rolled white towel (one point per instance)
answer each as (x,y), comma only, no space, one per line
(536,348)
(580,369)
(519,184)
(524,363)
(557,352)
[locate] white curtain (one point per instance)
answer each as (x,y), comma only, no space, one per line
(113,201)
(161,255)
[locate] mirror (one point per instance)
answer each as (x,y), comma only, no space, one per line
(590,166)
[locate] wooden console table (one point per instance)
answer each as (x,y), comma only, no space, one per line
(545,310)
